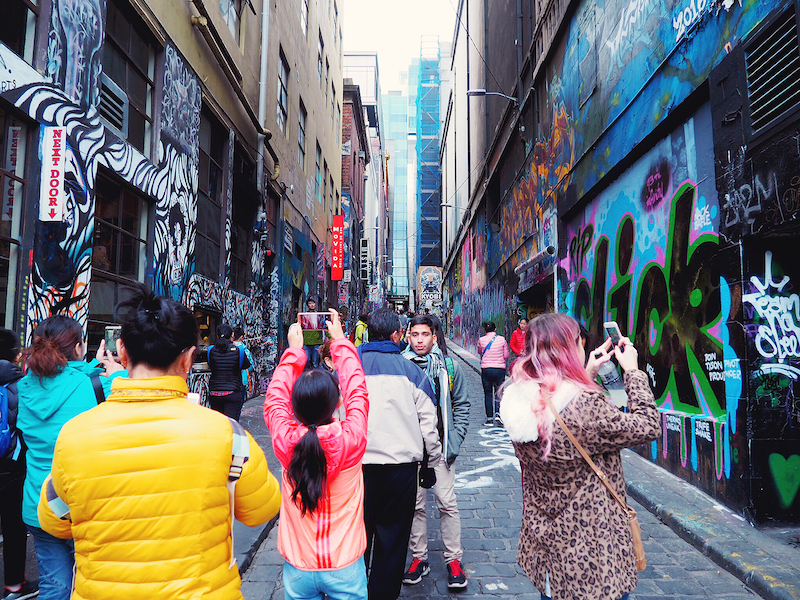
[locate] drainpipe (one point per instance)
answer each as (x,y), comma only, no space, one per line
(262,92)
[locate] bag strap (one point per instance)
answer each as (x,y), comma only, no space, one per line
(489,345)
(240,454)
(587,458)
(99,394)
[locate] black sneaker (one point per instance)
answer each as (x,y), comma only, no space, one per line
(456,578)
(488,422)
(417,570)
(28,590)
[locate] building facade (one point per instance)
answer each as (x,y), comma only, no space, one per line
(639,166)
(137,148)
(356,156)
(374,267)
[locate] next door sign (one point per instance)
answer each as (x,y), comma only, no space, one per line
(51,191)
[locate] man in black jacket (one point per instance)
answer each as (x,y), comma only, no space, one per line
(12,476)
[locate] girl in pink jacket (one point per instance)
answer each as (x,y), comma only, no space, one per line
(321,532)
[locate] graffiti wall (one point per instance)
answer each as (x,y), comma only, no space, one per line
(67,96)
(646,254)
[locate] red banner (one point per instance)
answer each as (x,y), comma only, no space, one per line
(337,248)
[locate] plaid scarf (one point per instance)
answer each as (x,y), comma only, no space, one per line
(432,363)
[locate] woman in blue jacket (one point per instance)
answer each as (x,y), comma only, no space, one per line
(58,386)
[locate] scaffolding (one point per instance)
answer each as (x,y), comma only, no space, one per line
(429,170)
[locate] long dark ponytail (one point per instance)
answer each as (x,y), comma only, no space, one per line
(314,398)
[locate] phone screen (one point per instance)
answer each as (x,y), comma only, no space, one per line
(612,331)
(313,321)
(112,334)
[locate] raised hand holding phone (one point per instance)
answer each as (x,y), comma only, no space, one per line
(334,325)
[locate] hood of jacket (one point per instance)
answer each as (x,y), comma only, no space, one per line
(385,346)
(45,396)
(519,401)
(9,372)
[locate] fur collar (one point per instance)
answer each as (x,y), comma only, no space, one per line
(516,412)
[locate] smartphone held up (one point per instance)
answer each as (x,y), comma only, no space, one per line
(112,334)
(313,321)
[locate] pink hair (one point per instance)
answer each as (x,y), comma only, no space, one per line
(550,358)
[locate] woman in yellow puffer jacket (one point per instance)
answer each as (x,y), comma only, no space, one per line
(141,481)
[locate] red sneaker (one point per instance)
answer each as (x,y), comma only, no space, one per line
(456,578)
(417,570)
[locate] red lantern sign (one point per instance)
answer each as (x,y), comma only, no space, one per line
(337,248)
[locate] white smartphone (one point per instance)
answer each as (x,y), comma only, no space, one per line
(612,330)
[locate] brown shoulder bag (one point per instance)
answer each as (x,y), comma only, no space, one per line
(633,520)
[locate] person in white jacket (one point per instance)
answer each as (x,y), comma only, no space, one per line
(402,428)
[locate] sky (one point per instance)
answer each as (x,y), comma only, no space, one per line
(393,28)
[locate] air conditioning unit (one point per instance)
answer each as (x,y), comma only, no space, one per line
(362,155)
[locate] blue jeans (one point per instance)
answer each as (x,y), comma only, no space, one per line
(312,356)
(349,583)
(56,560)
(492,378)
(625,597)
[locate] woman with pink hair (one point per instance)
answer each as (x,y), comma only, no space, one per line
(575,541)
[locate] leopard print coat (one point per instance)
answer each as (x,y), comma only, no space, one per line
(572,528)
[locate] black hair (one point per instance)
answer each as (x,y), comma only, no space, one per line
(224,333)
(438,331)
(9,345)
(383,322)
(314,398)
(311,299)
(54,341)
(363,317)
(238,332)
(489,326)
(422,320)
(155,329)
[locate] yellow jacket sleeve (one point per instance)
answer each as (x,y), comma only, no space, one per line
(53,511)
(258,495)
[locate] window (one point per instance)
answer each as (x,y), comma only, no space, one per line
(318,180)
(13,146)
(330,194)
(304,18)
(213,143)
(325,189)
(335,20)
(327,78)
(129,62)
(18,27)
(231,14)
(246,200)
(333,104)
(283,96)
(338,122)
(119,249)
(320,50)
(301,135)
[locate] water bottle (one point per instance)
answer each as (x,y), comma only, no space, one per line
(612,381)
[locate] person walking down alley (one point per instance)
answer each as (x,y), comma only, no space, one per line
(517,342)
(147,483)
(402,427)
(238,340)
(59,386)
(226,361)
(494,354)
(312,339)
(575,541)
(360,335)
(12,475)
(321,531)
(453,413)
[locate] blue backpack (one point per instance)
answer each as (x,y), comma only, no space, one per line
(7,437)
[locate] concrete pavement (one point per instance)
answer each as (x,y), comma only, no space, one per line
(721,541)
(490,502)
